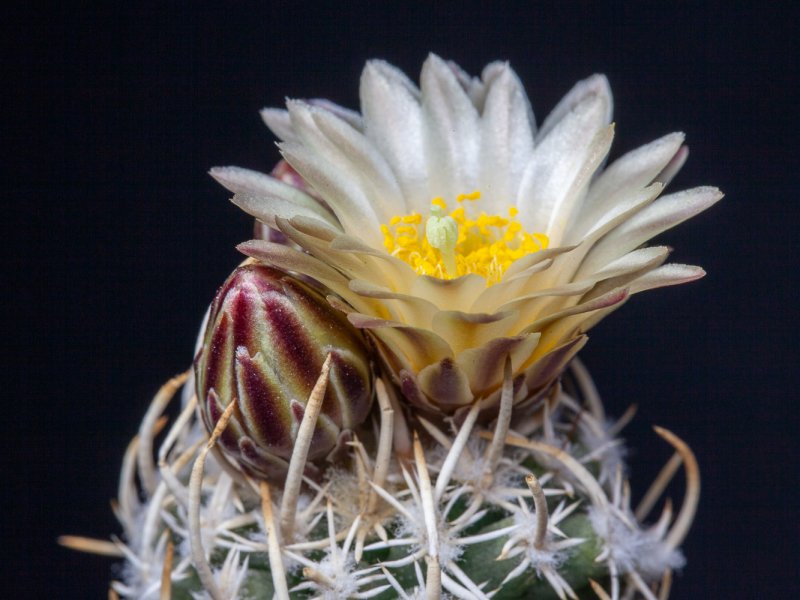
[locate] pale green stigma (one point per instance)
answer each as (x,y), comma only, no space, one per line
(442,233)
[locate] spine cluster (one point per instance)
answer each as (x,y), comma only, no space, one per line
(538,507)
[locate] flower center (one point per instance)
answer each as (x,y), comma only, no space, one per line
(452,244)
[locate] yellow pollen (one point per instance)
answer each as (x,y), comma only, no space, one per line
(452,244)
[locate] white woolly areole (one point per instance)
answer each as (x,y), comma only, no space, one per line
(632,548)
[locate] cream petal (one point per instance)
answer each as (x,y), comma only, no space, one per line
(674,166)
(405,308)
(523,303)
(628,174)
(393,121)
(351,152)
(351,117)
(614,276)
(636,169)
(568,264)
(627,270)
(417,346)
(576,321)
(450,130)
(637,260)
(666,275)
(287,258)
(560,166)
(376,267)
(267,209)
(339,189)
(397,274)
(469,330)
(506,141)
(279,122)
(263,190)
(522,265)
(318,244)
(474,87)
(663,214)
(449,294)
(445,384)
(610,299)
(596,85)
(484,365)
(507,289)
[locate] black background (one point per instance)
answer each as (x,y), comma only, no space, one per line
(115,239)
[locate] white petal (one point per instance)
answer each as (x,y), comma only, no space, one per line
(637,168)
(451,132)
(264,197)
(340,190)
(279,123)
(674,166)
(506,140)
(629,173)
(267,209)
(349,151)
(350,117)
(472,86)
(663,214)
(561,167)
(393,121)
(596,85)
(637,260)
(671,274)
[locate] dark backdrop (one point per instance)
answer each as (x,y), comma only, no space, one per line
(116,239)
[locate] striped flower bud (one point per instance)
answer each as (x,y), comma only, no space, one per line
(267,337)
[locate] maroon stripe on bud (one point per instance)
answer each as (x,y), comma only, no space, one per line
(262,405)
(347,399)
(217,355)
(241,309)
(292,341)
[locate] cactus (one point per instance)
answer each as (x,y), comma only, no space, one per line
(385,405)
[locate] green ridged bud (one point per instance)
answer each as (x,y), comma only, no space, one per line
(267,337)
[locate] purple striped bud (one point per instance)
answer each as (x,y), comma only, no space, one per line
(267,337)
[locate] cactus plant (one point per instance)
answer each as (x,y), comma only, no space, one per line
(386,400)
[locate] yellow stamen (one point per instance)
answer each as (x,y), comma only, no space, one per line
(453,244)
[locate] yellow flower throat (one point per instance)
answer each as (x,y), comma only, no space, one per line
(449,245)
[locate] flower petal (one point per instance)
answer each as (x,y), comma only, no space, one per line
(663,214)
(484,366)
(279,122)
(628,174)
(351,153)
(393,121)
(449,294)
(451,131)
(414,346)
(506,140)
(263,196)
(344,196)
(469,330)
(403,307)
(596,85)
(561,165)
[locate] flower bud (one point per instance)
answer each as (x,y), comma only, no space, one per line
(267,337)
